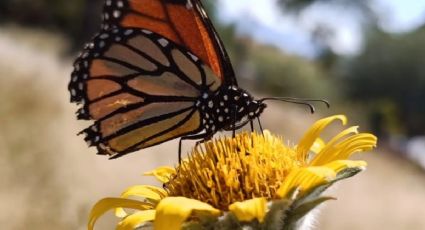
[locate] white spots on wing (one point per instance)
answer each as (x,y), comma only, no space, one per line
(226,98)
(97,139)
(189,5)
(128,32)
(91,45)
(221,103)
(85,76)
(241,109)
(104,36)
(147,31)
(102,44)
(116,13)
(205,95)
(220,119)
(73,92)
(118,39)
(236,98)
(94,128)
(108,2)
(86,64)
(226,110)
(89,143)
(106,16)
(80,86)
(163,42)
(195,58)
(85,55)
(210,104)
(75,78)
(77,67)
(120,4)
(115,31)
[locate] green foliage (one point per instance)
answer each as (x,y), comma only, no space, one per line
(281,74)
(298,5)
(76,18)
(269,69)
(391,72)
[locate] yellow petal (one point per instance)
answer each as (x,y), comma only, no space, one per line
(172,212)
(340,165)
(107,204)
(250,209)
(305,179)
(313,133)
(163,174)
(135,220)
(144,191)
(344,149)
(318,145)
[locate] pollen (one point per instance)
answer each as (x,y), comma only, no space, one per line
(227,170)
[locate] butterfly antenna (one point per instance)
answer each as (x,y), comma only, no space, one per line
(299,101)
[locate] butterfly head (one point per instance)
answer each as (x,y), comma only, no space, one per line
(245,104)
(255,108)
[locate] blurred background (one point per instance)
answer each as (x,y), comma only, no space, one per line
(367,57)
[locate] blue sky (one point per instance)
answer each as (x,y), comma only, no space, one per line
(264,22)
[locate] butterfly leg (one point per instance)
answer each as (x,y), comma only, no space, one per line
(261,126)
(251,123)
(203,136)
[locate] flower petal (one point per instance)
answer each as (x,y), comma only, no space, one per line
(145,191)
(107,204)
(135,220)
(250,209)
(313,133)
(318,145)
(171,212)
(305,179)
(163,174)
(345,148)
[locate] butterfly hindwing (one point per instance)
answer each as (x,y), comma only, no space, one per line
(140,88)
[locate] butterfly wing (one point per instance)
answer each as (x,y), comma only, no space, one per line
(183,21)
(140,88)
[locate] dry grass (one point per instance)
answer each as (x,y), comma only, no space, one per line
(50,178)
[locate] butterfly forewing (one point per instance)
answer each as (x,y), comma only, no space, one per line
(182,21)
(140,88)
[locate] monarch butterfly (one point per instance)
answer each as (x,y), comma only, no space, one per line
(156,71)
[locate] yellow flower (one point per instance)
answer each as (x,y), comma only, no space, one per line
(253,179)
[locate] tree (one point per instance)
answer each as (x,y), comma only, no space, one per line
(391,72)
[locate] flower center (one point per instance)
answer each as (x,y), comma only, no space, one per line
(226,170)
